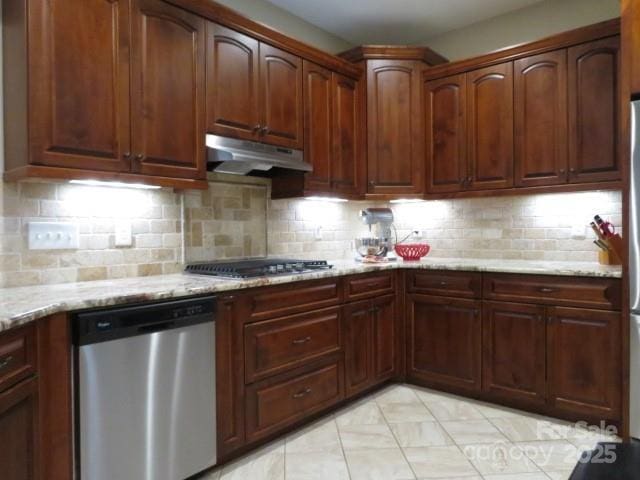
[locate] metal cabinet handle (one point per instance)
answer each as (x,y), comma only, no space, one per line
(139,156)
(126,155)
(546,290)
(257,127)
(264,130)
(6,362)
(302,393)
(476,312)
(300,341)
(443,284)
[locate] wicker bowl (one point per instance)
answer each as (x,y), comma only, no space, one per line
(412,251)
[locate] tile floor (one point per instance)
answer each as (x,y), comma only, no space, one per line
(406,432)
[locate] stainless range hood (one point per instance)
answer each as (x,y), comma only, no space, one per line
(231,155)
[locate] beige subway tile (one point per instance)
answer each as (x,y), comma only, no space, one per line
(87,274)
(149,269)
(35,260)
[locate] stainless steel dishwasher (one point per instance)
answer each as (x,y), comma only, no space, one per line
(146,391)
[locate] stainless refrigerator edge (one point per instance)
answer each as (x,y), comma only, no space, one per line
(634,270)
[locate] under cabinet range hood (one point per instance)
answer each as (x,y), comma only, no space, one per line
(239,157)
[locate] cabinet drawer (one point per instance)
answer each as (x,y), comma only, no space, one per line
(273,346)
(293,298)
(369,285)
(275,404)
(450,284)
(603,293)
(17,356)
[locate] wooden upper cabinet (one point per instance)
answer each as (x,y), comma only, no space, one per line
(579,380)
(168,90)
(79,76)
(540,93)
(631,42)
(490,124)
(594,102)
(281,97)
(232,83)
(446,133)
(348,137)
(394,121)
(318,126)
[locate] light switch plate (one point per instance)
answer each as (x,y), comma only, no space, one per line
(53,236)
(123,234)
(579,232)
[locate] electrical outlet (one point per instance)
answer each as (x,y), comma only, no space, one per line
(317,234)
(579,232)
(124,237)
(53,236)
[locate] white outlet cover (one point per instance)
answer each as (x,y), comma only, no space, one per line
(53,236)
(124,236)
(579,232)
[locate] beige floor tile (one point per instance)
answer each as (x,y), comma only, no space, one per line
(473,431)
(453,410)
(367,413)
(386,464)
(560,475)
(518,476)
(264,464)
(499,458)
(397,394)
(420,434)
(363,437)
(405,412)
(553,455)
(319,437)
(439,462)
(316,466)
(527,429)
(497,411)
(586,439)
(431,396)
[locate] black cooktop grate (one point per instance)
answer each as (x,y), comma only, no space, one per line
(257,268)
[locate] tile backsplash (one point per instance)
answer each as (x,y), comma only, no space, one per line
(232,218)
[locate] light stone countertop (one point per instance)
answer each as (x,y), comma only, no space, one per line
(22,305)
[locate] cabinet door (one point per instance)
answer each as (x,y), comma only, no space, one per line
(444,340)
(513,369)
(230,392)
(358,342)
(168,97)
(318,126)
(18,431)
(233,109)
(394,121)
(594,111)
(384,338)
(446,134)
(281,97)
(79,91)
(490,122)
(540,94)
(585,361)
(348,137)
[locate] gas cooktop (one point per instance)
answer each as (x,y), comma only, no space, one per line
(257,268)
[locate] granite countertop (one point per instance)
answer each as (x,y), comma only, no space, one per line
(22,305)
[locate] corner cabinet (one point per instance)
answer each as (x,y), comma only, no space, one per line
(100,88)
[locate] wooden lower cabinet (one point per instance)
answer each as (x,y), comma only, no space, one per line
(370,343)
(584,362)
(19,431)
(514,344)
(444,342)
(278,402)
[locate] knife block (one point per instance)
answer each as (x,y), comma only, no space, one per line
(614,255)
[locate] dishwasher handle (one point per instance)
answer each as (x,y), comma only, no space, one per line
(156,327)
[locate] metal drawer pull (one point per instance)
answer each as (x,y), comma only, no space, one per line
(546,290)
(302,393)
(6,362)
(300,341)
(443,284)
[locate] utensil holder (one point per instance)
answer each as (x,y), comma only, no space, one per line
(615,254)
